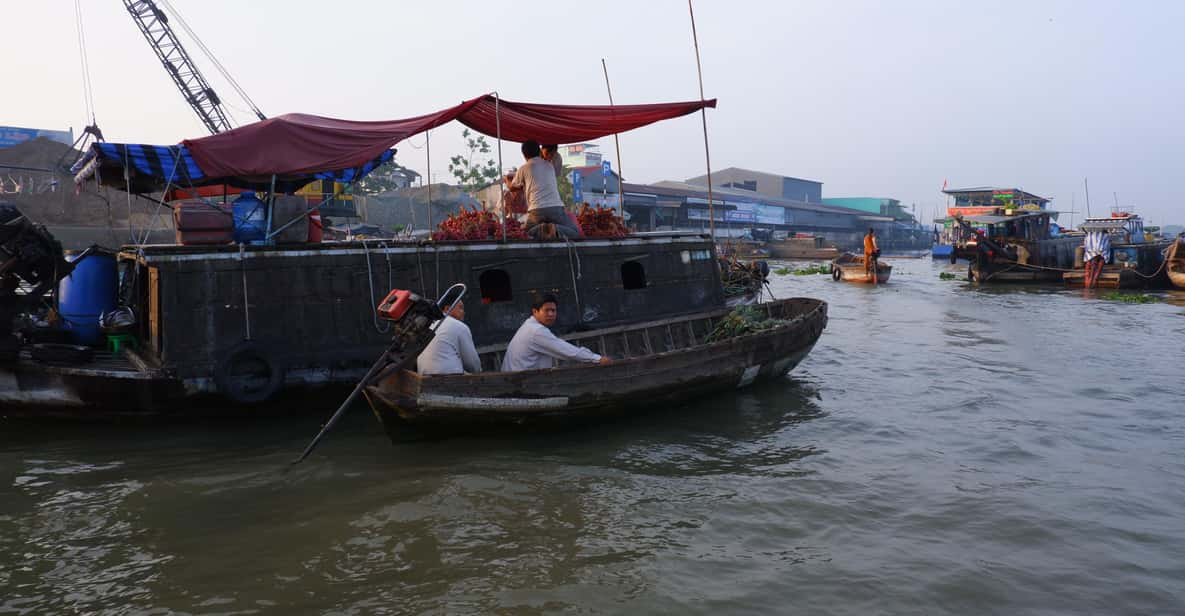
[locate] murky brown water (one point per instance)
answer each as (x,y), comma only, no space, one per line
(944,449)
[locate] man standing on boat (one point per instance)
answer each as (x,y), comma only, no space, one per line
(537,179)
(534,346)
(451,350)
(871,251)
(551,153)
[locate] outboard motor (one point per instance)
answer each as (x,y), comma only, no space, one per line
(28,254)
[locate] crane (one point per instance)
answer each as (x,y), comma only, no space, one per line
(154,25)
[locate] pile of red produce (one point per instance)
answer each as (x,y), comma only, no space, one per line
(477,224)
(601,222)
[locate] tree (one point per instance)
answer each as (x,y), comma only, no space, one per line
(472,175)
(564,183)
(388,176)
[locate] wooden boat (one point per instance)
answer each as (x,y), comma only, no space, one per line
(1135,259)
(655,363)
(801,248)
(1175,263)
(850,268)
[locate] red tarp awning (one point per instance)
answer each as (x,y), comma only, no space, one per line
(297,143)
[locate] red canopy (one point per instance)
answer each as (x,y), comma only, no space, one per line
(298,143)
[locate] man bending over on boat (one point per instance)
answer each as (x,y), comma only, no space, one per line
(871,251)
(534,346)
(451,350)
(537,179)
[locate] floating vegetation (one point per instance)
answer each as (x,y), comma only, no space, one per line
(742,320)
(812,270)
(946,276)
(782,271)
(1131,298)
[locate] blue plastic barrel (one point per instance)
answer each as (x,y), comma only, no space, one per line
(89,291)
(250,218)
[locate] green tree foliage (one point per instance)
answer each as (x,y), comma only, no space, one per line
(384,178)
(564,183)
(473,174)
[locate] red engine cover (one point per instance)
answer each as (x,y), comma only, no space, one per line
(396,303)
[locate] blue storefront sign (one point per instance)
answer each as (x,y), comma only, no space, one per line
(577,187)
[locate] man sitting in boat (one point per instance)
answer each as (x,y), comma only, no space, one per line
(451,350)
(534,346)
(537,179)
(871,251)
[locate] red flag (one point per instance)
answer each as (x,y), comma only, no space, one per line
(943,184)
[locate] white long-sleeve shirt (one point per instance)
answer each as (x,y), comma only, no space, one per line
(534,347)
(451,350)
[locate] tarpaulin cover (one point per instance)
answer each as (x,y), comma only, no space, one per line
(156,166)
(298,143)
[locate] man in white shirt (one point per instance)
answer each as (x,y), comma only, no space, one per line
(537,179)
(451,350)
(534,346)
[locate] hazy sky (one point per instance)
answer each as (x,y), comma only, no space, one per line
(882,99)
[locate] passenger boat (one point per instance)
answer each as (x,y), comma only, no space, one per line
(227,325)
(850,268)
(802,248)
(655,363)
(1015,247)
(1134,259)
(1175,263)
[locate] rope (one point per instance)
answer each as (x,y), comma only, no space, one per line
(374,313)
(88,94)
(576,274)
(246,304)
(210,55)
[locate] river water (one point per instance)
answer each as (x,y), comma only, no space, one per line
(944,449)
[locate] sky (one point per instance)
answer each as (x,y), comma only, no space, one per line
(874,99)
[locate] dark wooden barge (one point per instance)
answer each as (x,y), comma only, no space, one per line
(655,363)
(219,324)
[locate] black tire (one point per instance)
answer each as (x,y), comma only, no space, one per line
(836,273)
(248,375)
(70,354)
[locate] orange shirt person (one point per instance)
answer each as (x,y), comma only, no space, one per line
(871,251)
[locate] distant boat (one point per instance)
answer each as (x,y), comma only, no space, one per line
(655,363)
(1134,258)
(801,248)
(850,268)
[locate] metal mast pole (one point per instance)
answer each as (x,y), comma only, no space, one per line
(616,144)
(703,114)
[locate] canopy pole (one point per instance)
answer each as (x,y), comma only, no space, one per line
(616,144)
(271,205)
(704,114)
(428,146)
(501,176)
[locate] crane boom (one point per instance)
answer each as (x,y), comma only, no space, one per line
(154,25)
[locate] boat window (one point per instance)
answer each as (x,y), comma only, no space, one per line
(633,275)
(495,286)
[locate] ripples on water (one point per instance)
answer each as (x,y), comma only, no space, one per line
(944,449)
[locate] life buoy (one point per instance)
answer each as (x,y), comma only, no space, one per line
(247,374)
(836,273)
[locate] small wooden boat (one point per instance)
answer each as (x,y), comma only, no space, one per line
(1175,263)
(655,364)
(850,268)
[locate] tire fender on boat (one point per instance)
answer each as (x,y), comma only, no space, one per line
(248,374)
(836,273)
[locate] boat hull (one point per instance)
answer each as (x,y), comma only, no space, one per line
(1175,264)
(850,268)
(496,401)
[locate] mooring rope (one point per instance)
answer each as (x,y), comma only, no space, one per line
(374,313)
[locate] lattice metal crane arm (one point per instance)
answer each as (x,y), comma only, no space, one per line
(154,25)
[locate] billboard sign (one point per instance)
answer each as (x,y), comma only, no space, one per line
(577,187)
(15,135)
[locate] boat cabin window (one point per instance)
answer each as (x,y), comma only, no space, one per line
(633,275)
(495,286)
